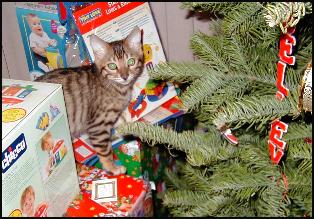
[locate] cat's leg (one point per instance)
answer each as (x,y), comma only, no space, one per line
(100,139)
(121,120)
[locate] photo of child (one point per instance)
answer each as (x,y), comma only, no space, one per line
(56,151)
(39,40)
(27,204)
(42,36)
(47,144)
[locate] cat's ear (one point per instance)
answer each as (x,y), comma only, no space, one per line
(134,39)
(99,46)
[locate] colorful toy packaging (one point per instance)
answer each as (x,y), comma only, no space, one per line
(42,36)
(132,196)
(74,50)
(84,153)
(168,110)
(38,168)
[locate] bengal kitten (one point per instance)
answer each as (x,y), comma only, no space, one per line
(96,95)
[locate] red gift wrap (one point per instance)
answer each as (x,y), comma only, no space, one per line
(134,196)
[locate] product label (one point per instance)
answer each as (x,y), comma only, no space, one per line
(13,152)
(90,16)
(101,13)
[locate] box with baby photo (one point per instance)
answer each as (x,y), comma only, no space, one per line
(38,169)
(42,34)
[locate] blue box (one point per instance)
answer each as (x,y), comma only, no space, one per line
(42,36)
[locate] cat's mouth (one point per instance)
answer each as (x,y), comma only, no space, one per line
(121,80)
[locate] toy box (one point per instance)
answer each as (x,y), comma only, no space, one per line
(84,153)
(133,196)
(168,110)
(42,36)
(38,168)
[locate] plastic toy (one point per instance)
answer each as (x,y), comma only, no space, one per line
(59,151)
(54,58)
(73,45)
(153,91)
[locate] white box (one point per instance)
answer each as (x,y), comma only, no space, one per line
(30,111)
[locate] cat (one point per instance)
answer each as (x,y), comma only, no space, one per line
(97,94)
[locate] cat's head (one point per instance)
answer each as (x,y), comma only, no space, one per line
(120,61)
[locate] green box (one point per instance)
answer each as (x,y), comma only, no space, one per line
(142,160)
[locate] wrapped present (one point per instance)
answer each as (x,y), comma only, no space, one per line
(139,159)
(128,155)
(134,197)
(142,160)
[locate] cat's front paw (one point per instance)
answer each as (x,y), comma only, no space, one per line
(109,165)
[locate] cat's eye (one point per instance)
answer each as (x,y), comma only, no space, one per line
(112,66)
(131,62)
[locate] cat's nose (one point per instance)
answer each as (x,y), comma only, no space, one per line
(125,76)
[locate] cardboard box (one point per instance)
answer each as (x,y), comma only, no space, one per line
(134,198)
(37,154)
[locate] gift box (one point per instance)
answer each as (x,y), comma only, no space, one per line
(38,168)
(134,157)
(133,196)
(139,159)
(142,160)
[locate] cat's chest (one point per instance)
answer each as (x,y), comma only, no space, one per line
(117,98)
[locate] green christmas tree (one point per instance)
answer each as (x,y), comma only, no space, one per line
(233,85)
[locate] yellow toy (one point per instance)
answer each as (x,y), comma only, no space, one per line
(43,121)
(54,58)
(148,56)
(16,213)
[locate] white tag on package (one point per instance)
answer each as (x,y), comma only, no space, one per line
(104,190)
